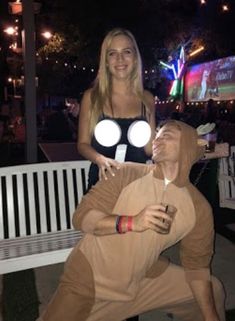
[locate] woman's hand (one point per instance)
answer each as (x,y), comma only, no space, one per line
(152,217)
(106,164)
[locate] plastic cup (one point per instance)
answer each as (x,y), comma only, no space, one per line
(171,211)
(211,139)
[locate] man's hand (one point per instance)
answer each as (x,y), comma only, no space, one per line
(152,217)
(203,294)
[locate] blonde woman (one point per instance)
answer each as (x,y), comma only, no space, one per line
(117,94)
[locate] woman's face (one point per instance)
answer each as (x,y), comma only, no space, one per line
(121,57)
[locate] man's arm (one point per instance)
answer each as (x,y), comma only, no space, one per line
(221,150)
(151,217)
(203,294)
(196,253)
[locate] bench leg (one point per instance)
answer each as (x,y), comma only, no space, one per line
(19,296)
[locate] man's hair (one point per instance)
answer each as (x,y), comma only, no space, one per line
(171,122)
(102,89)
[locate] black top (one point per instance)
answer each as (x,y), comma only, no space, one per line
(133,154)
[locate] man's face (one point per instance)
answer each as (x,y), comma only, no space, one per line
(166,144)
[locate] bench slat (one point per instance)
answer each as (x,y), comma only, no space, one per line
(48,242)
(70,194)
(79,186)
(52,204)
(30,252)
(21,203)
(1,212)
(10,207)
(62,207)
(31,201)
(42,202)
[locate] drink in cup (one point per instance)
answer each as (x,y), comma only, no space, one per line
(171,211)
(211,139)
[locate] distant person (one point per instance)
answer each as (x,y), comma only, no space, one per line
(117,94)
(212,84)
(72,114)
(19,129)
(4,120)
(205,76)
(210,112)
(58,128)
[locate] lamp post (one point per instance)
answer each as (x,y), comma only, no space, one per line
(29,54)
(28,8)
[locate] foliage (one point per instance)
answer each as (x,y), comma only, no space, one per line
(54,45)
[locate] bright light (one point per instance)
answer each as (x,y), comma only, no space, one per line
(225,7)
(177,70)
(139,133)
(193,53)
(203,2)
(47,34)
(107,132)
(13,46)
(10,31)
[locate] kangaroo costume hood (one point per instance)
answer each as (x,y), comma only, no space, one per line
(191,150)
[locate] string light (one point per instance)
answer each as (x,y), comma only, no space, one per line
(66,64)
(11,31)
(47,34)
(225,7)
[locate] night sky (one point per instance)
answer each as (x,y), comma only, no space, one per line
(160,27)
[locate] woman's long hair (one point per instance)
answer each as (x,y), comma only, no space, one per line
(102,90)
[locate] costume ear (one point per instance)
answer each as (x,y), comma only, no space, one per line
(202,142)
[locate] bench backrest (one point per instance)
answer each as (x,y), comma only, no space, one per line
(226,180)
(40,198)
(227,164)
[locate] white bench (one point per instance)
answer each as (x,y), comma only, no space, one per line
(37,202)
(226,180)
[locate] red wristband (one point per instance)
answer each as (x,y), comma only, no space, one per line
(129,223)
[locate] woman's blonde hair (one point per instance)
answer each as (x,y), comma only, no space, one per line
(102,89)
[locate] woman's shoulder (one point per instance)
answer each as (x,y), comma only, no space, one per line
(148,94)
(149,98)
(86,99)
(87,93)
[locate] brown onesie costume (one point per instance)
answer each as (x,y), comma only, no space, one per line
(112,277)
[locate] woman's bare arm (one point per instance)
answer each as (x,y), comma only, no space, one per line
(151,119)
(84,140)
